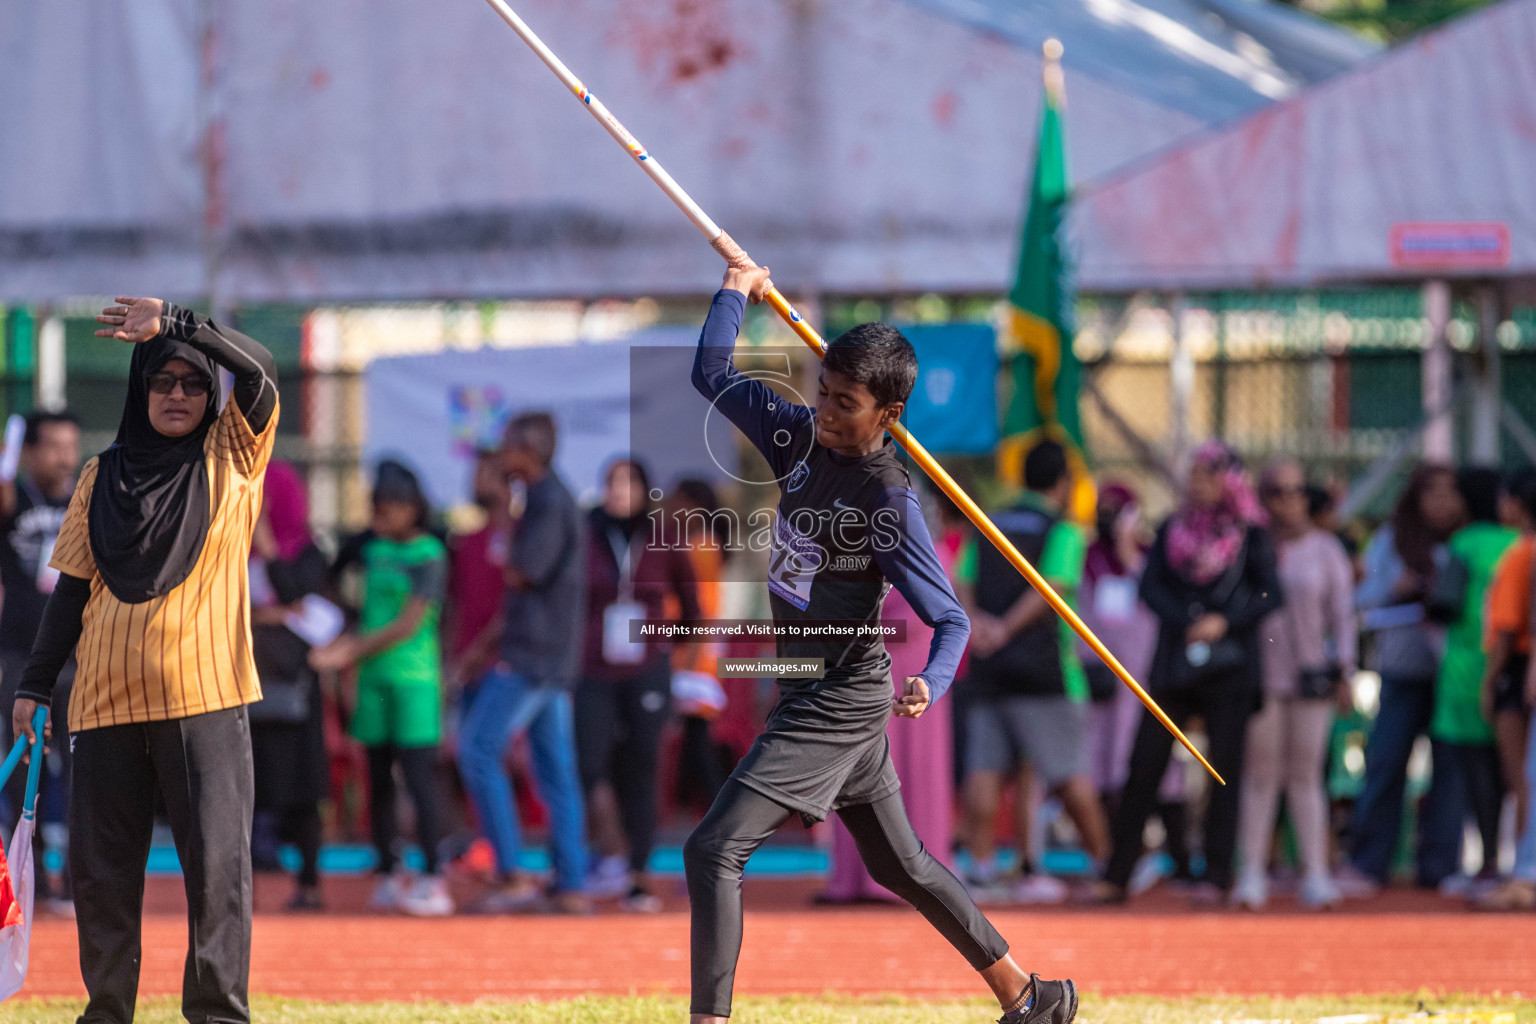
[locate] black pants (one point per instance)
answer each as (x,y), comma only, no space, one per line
(418,765)
(1226,707)
(201,768)
(1481,781)
(618,739)
(738,823)
(300,825)
(55,768)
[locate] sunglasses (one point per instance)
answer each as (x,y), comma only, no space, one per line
(1284,492)
(193,385)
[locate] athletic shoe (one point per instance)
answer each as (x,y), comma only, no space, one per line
(1204,895)
(986,890)
(1318,893)
(575,904)
(1251,891)
(1354,884)
(1147,873)
(1051,1002)
(638,901)
(517,897)
(1515,894)
(608,878)
(1455,887)
(1040,889)
(387,894)
(305,899)
(427,898)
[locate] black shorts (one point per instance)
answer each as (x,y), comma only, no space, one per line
(1509,688)
(824,748)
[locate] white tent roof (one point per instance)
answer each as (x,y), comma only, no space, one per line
(1418,163)
(364,149)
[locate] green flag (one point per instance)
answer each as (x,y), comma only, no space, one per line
(1038,341)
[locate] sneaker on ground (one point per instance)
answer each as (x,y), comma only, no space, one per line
(1051,1002)
(608,878)
(428,897)
(1515,894)
(638,901)
(1318,892)
(1147,873)
(576,904)
(519,897)
(1354,884)
(1251,891)
(1205,894)
(305,899)
(1455,887)
(1035,888)
(386,895)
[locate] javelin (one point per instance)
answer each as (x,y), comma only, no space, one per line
(736,257)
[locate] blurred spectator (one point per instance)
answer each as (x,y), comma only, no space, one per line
(624,696)
(398,712)
(1210,579)
(1309,652)
(701,760)
(528,690)
(1032,694)
(32,510)
(476,560)
(921,752)
(1115,612)
(1400,570)
(288,723)
(1509,643)
(1519,891)
(1460,729)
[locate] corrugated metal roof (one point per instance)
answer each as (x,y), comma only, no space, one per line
(1441,131)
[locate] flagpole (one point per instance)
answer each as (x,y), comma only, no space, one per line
(735,256)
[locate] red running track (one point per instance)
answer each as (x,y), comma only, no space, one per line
(1402,944)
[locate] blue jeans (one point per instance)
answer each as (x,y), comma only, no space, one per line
(1377,822)
(1525,852)
(506,705)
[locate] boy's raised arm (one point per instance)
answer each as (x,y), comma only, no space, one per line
(751,405)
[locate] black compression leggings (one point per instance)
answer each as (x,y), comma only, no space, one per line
(417,765)
(738,823)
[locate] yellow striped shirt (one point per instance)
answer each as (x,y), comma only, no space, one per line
(189,651)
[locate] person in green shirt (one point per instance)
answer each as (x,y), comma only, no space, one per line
(1030,693)
(398,712)
(1460,733)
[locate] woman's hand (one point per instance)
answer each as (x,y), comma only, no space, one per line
(136,320)
(21,725)
(915,701)
(988,634)
(336,656)
(1207,629)
(750,281)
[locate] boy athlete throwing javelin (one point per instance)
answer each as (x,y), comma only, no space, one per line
(847,526)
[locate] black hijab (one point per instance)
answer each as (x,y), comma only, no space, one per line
(150,507)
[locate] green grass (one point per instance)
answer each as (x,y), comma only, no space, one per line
(827,1010)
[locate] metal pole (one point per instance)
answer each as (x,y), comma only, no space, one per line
(1438,373)
(736,257)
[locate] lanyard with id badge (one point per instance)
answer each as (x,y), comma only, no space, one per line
(618,649)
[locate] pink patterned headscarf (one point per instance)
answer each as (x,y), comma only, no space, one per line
(1205,541)
(287,509)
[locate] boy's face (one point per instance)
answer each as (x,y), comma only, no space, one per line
(394,520)
(848,419)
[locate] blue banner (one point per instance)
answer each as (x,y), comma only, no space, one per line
(953,408)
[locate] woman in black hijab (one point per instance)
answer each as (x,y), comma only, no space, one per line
(154,596)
